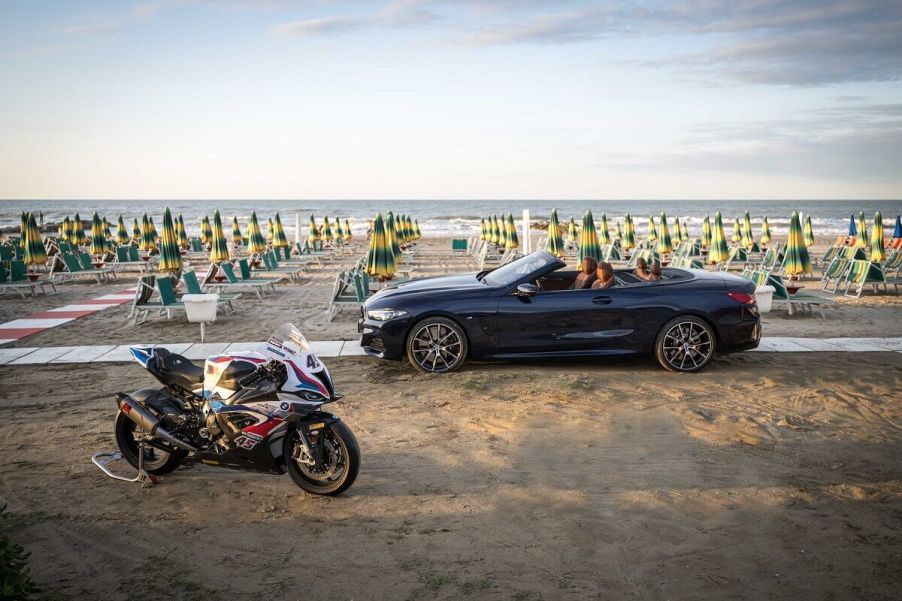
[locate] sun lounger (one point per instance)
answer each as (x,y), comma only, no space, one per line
(84,259)
(20,287)
(348,290)
(836,273)
(192,286)
(18,273)
(863,272)
(72,269)
(124,261)
(257,286)
(799,299)
(142,305)
(246,275)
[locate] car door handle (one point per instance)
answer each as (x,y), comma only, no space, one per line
(602,300)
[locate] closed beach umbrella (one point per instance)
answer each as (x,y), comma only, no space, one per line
(416,228)
(23,225)
(737,232)
(706,232)
(237,239)
(327,229)
(796,261)
(339,231)
(588,239)
(219,249)
(604,233)
(853,231)
(748,238)
(98,240)
(497,233)
(255,242)
(718,250)
(392,239)
(677,235)
(897,232)
(862,240)
(685,229)
(136,231)
(652,228)
(512,240)
(482,229)
(555,239)
(170,257)
(121,232)
(153,229)
(350,236)
(32,244)
(66,229)
(78,232)
(312,232)
(664,243)
(180,233)
(206,230)
(629,232)
(618,232)
(106,229)
(279,239)
(808,232)
(269,230)
(765,231)
(148,240)
(571,230)
(380,261)
(878,253)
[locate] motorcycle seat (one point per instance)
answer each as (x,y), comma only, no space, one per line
(174,369)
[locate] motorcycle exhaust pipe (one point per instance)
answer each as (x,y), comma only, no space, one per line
(147,421)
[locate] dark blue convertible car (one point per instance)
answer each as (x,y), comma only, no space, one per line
(525,309)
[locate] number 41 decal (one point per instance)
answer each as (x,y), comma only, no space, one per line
(312,363)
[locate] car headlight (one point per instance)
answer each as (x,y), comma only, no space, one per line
(385,314)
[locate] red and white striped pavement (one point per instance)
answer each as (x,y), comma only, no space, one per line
(43,320)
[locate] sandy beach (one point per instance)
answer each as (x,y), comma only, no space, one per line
(765,476)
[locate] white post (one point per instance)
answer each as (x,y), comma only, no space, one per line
(297,227)
(527,246)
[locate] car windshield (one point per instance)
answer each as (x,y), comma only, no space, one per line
(515,270)
(289,338)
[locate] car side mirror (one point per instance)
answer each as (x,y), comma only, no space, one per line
(526,290)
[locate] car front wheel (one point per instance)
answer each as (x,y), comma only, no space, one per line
(436,345)
(685,343)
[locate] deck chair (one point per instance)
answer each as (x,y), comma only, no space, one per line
(801,299)
(344,293)
(836,273)
(84,259)
(271,265)
(20,287)
(257,286)
(168,300)
(18,274)
(142,305)
(7,253)
(124,261)
(192,286)
(247,275)
(74,270)
(862,273)
(283,258)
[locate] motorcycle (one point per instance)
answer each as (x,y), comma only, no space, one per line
(260,411)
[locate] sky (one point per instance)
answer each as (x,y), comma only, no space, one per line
(471,99)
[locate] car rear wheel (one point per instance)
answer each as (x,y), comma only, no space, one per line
(685,344)
(436,345)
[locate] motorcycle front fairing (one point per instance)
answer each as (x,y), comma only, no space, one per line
(307,376)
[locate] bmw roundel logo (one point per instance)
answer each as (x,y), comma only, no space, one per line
(284,406)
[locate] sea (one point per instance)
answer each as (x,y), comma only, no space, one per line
(461,217)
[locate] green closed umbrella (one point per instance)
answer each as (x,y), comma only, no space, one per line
(796,261)
(66,229)
(349,235)
(572,236)
(588,239)
(327,229)
(206,231)
(279,239)
(380,262)
(718,251)
(32,243)
(737,232)
(392,240)
(555,239)
(153,229)
(148,240)
(269,231)
(604,233)
(237,239)
(312,232)
(618,232)
(339,231)
(808,231)
(765,231)
(136,231)
(861,241)
(512,240)
(482,235)
(665,245)
(219,249)
(121,232)
(652,229)
(416,228)
(180,234)
(255,242)
(748,238)
(677,231)
(23,225)
(78,232)
(629,232)
(706,232)
(106,229)
(170,260)
(878,251)
(98,240)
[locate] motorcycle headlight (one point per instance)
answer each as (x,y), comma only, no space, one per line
(385,314)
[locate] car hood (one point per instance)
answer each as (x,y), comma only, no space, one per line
(461,281)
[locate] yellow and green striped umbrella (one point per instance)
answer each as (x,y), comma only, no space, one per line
(136,231)
(148,240)
(878,252)
(618,232)
(718,251)
(416,228)
(206,231)
(555,240)
(862,240)
(269,231)
(706,232)
(66,229)
(665,245)
(588,239)
(312,232)
(410,227)
(106,229)
(748,238)
(400,234)
(686,230)
(98,240)
(23,225)
(78,232)
(737,232)
(237,239)
(219,249)
(33,244)
(677,235)
(392,240)
(153,230)
(380,262)
(279,239)
(512,240)
(482,229)
(121,232)
(180,234)
(808,231)
(339,231)
(629,232)
(349,235)
(796,260)
(652,228)
(255,242)
(572,236)
(327,229)
(170,257)
(765,231)
(604,233)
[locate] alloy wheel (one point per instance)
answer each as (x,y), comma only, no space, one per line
(687,346)
(437,347)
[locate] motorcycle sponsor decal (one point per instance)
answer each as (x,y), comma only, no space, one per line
(263,429)
(312,363)
(276,409)
(307,381)
(275,352)
(246,442)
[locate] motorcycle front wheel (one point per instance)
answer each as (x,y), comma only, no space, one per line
(340,461)
(156,462)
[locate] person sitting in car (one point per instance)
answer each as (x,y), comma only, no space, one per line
(604,276)
(586,277)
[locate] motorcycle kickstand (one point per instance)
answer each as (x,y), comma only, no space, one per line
(104,458)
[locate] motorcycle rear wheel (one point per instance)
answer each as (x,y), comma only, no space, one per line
(344,453)
(156,462)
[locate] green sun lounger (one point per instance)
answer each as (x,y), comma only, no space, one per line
(192,286)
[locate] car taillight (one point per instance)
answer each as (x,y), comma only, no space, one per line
(742,297)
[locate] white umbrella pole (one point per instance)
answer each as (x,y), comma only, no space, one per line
(527,243)
(297,227)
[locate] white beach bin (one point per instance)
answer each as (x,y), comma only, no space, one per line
(764,296)
(201,308)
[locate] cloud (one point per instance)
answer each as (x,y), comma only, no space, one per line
(324,26)
(393,15)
